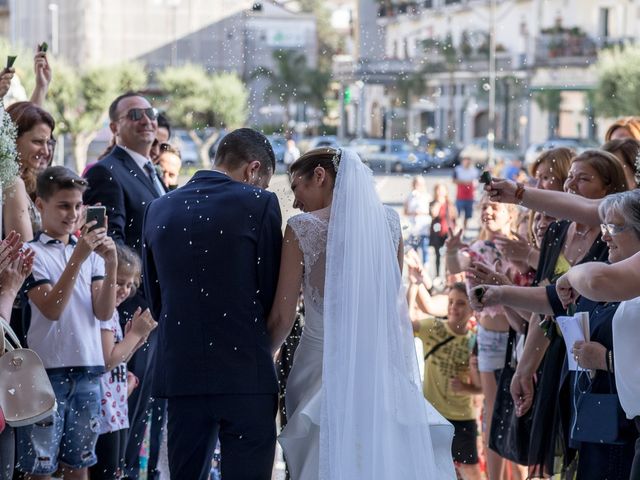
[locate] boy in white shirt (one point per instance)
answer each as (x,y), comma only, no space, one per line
(71,289)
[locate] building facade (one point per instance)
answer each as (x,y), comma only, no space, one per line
(221,35)
(434,77)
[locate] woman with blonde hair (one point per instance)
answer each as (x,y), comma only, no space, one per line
(625,127)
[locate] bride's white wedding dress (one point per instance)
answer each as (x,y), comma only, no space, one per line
(366,419)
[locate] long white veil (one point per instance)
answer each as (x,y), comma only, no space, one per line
(375,422)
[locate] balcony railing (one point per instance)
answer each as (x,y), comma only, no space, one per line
(565,48)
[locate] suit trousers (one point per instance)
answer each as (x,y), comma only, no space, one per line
(245,425)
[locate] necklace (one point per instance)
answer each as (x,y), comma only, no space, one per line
(581,233)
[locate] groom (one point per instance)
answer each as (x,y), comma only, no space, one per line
(211,254)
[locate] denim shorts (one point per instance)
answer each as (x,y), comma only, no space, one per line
(466,207)
(68,436)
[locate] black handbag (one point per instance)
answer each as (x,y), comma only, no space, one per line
(599,417)
(509,435)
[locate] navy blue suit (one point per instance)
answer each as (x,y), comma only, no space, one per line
(118,183)
(211,255)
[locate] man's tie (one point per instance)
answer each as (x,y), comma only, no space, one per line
(151,171)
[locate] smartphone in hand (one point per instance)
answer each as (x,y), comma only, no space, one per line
(98,214)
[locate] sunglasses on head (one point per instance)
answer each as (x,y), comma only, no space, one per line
(136,114)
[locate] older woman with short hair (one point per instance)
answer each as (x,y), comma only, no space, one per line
(620,214)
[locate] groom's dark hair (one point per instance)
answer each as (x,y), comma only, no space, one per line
(246,145)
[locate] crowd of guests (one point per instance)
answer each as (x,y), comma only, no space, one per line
(498,312)
(494,340)
(69,289)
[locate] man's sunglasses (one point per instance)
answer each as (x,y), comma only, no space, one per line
(136,114)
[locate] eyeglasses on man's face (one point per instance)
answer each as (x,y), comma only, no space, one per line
(612,229)
(136,114)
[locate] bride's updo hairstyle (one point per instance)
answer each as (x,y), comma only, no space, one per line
(324,157)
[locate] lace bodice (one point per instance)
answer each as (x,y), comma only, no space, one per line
(311,232)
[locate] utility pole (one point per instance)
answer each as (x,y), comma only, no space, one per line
(55,28)
(491,134)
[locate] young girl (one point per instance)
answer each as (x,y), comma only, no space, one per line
(480,260)
(117,349)
(450,377)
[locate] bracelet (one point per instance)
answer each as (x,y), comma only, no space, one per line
(519,193)
(610,361)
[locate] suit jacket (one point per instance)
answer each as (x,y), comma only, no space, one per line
(211,255)
(119,184)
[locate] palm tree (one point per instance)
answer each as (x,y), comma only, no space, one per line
(407,86)
(287,79)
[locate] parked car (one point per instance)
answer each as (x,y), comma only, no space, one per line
(306,144)
(214,146)
(478,151)
(391,156)
(279,145)
(188,148)
(443,155)
(577,144)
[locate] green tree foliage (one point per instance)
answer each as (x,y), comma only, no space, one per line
(618,82)
(328,40)
(23,64)
(197,100)
(79,101)
(293,82)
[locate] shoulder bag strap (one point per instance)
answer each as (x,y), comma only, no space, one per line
(438,347)
(8,337)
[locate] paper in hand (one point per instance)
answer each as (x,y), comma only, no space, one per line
(574,329)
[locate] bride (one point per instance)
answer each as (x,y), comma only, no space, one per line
(354,400)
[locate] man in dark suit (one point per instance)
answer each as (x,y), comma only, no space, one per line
(125,182)
(211,256)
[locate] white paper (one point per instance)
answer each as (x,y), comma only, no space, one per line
(573,330)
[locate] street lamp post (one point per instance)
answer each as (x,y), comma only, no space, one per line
(55,28)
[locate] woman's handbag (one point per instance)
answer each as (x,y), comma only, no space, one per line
(509,434)
(599,417)
(26,394)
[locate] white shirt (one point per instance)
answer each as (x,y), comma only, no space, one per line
(418,201)
(140,160)
(466,174)
(74,339)
(626,338)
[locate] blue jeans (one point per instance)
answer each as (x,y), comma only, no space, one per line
(421,241)
(466,207)
(68,436)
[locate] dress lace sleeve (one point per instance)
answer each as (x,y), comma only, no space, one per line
(393,219)
(311,233)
